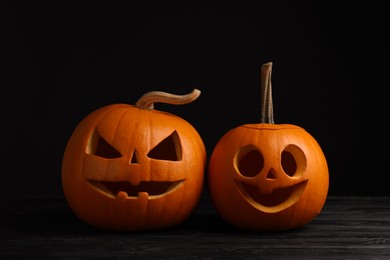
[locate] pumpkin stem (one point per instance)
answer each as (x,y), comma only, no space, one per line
(267,113)
(147,100)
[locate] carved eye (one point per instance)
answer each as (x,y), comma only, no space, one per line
(98,146)
(168,149)
(293,160)
(249,161)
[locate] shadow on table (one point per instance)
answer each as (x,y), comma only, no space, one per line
(53,216)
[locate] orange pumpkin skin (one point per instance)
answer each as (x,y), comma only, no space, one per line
(268,177)
(118,173)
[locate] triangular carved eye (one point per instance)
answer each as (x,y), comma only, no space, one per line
(168,149)
(100,147)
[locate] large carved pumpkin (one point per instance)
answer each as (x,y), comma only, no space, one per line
(268,176)
(131,167)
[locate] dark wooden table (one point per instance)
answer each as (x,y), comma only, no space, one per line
(45,228)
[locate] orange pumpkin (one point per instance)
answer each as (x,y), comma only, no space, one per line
(268,176)
(131,167)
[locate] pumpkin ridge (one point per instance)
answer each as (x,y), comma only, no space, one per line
(271,126)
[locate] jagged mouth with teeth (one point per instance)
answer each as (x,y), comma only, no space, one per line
(279,199)
(121,188)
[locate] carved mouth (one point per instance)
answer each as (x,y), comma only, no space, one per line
(126,189)
(278,200)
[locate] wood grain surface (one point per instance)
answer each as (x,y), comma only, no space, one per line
(45,228)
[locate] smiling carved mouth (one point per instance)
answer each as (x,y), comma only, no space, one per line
(151,188)
(279,199)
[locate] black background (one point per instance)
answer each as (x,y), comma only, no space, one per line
(61,60)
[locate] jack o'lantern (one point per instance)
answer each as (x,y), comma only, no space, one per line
(131,167)
(268,176)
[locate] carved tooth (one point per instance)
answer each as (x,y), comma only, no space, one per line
(143,195)
(121,195)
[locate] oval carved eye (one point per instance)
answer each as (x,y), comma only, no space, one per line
(249,161)
(293,160)
(98,146)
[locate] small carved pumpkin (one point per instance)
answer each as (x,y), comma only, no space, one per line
(268,176)
(131,167)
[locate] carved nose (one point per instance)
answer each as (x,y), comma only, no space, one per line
(134,158)
(271,174)
(267,188)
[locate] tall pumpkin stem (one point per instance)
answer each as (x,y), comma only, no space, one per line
(147,100)
(267,110)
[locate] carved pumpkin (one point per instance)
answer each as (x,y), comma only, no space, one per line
(268,176)
(131,167)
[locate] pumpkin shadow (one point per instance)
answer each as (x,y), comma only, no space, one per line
(53,217)
(206,219)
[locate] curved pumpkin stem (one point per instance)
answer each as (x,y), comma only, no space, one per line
(267,110)
(147,100)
